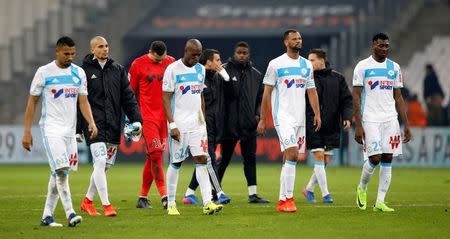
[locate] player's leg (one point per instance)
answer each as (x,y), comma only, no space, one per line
(177,154)
(326,198)
(308,192)
(319,171)
(50,204)
(189,196)
(58,150)
(198,145)
(248,150)
(222,198)
(149,133)
(157,162)
(109,210)
(391,145)
(227,150)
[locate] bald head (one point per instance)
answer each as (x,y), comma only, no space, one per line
(100,48)
(192,52)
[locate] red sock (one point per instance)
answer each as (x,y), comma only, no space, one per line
(147,176)
(158,172)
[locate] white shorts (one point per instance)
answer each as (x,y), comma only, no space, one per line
(196,141)
(382,138)
(60,150)
(291,137)
(328,152)
(102,149)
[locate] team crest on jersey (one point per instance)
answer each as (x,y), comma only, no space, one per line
(200,77)
(304,71)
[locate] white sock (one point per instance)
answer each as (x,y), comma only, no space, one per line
(321,175)
(251,190)
(172,181)
(289,177)
(92,190)
(52,198)
(201,172)
(189,191)
(62,184)
(219,193)
(385,181)
(312,182)
(282,195)
(367,172)
(100,180)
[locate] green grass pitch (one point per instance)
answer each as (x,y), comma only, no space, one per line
(421,198)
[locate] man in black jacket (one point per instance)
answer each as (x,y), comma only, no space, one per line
(215,77)
(109,93)
(243,95)
(335,102)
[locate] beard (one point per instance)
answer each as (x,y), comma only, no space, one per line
(296,49)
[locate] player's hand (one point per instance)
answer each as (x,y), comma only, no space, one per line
(79,138)
(27,140)
(347,124)
(175,134)
(359,134)
(218,68)
(261,129)
(317,122)
(406,135)
(93,130)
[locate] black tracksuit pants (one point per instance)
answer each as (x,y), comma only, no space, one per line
(248,151)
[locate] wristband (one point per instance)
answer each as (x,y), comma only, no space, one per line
(172,126)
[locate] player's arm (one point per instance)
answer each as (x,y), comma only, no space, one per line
(400,106)
(27,140)
(345,102)
(174,132)
(86,111)
(314,101)
(359,131)
(264,106)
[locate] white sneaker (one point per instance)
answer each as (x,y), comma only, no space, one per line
(50,222)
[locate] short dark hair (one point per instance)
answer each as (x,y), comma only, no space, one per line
(242,44)
(208,54)
(287,32)
(319,53)
(65,41)
(381,36)
(159,47)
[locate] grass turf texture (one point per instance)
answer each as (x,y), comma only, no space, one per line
(421,198)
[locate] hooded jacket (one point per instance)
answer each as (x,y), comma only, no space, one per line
(109,93)
(243,95)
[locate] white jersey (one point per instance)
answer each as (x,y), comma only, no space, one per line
(378,81)
(59,89)
(187,84)
(290,78)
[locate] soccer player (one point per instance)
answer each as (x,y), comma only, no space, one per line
(288,78)
(377,102)
(214,100)
(242,109)
(146,74)
(60,84)
(110,94)
(335,107)
(183,84)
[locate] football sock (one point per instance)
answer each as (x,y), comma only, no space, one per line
(91,189)
(282,195)
(321,175)
(158,172)
(201,172)
(385,181)
(367,172)
(172,180)
(251,189)
(312,182)
(52,198)
(189,191)
(289,174)
(147,176)
(62,184)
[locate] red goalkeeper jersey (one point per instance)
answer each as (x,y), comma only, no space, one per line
(146,80)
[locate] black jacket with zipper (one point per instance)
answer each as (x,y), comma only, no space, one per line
(213,95)
(242,100)
(335,102)
(109,93)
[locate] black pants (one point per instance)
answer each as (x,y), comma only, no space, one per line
(212,153)
(248,151)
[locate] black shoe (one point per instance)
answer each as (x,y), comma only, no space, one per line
(143,203)
(164,202)
(255,199)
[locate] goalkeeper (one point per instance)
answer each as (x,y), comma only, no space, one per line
(109,94)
